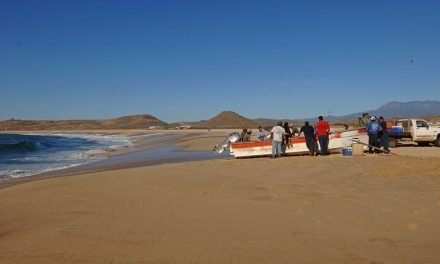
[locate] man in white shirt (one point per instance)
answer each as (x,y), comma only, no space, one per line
(278,136)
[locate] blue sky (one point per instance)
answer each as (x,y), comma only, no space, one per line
(189,60)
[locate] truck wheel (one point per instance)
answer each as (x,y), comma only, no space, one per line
(437,141)
(423,144)
(392,143)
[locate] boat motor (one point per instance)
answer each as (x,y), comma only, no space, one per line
(231,138)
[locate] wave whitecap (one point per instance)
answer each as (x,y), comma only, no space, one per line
(30,154)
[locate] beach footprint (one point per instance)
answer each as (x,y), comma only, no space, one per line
(412,227)
(384,240)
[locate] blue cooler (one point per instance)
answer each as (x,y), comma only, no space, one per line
(347,151)
(397,129)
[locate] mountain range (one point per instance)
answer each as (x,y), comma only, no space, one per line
(225,119)
(397,109)
(230,119)
(125,122)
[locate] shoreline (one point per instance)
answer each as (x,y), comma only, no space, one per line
(188,141)
(142,142)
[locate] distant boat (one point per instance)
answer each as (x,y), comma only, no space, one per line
(298,146)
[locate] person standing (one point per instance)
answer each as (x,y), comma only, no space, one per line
(278,136)
(373,128)
(261,135)
(245,137)
(288,135)
(323,131)
(309,134)
(383,134)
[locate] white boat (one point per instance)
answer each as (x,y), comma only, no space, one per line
(298,146)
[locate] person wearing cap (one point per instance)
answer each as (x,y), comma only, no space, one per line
(278,136)
(373,128)
(323,131)
(383,134)
(261,135)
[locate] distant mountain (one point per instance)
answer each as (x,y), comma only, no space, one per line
(228,119)
(125,122)
(134,121)
(397,109)
(413,108)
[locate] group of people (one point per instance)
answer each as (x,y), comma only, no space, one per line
(281,134)
(377,134)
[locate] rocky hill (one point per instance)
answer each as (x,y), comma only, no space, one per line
(228,119)
(125,122)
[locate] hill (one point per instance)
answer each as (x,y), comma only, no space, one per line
(133,122)
(125,122)
(228,119)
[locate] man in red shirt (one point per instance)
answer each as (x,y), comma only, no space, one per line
(323,130)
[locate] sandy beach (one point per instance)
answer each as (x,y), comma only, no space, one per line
(128,132)
(372,209)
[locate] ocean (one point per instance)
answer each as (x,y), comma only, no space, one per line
(31,154)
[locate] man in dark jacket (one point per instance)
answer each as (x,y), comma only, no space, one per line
(383,140)
(309,134)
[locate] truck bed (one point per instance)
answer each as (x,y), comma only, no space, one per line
(399,135)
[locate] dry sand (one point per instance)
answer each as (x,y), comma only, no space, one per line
(373,209)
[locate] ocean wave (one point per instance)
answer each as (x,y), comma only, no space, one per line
(23,155)
(117,141)
(18,147)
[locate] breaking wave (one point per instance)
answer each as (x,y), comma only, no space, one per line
(20,147)
(30,154)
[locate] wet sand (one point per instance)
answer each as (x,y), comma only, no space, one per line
(372,209)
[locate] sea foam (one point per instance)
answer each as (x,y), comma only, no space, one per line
(31,154)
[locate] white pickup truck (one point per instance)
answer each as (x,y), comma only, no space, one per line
(418,130)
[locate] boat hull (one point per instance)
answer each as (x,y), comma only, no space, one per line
(297,146)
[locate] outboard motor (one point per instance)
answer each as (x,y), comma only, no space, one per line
(231,138)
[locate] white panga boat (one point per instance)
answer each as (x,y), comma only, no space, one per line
(297,146)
